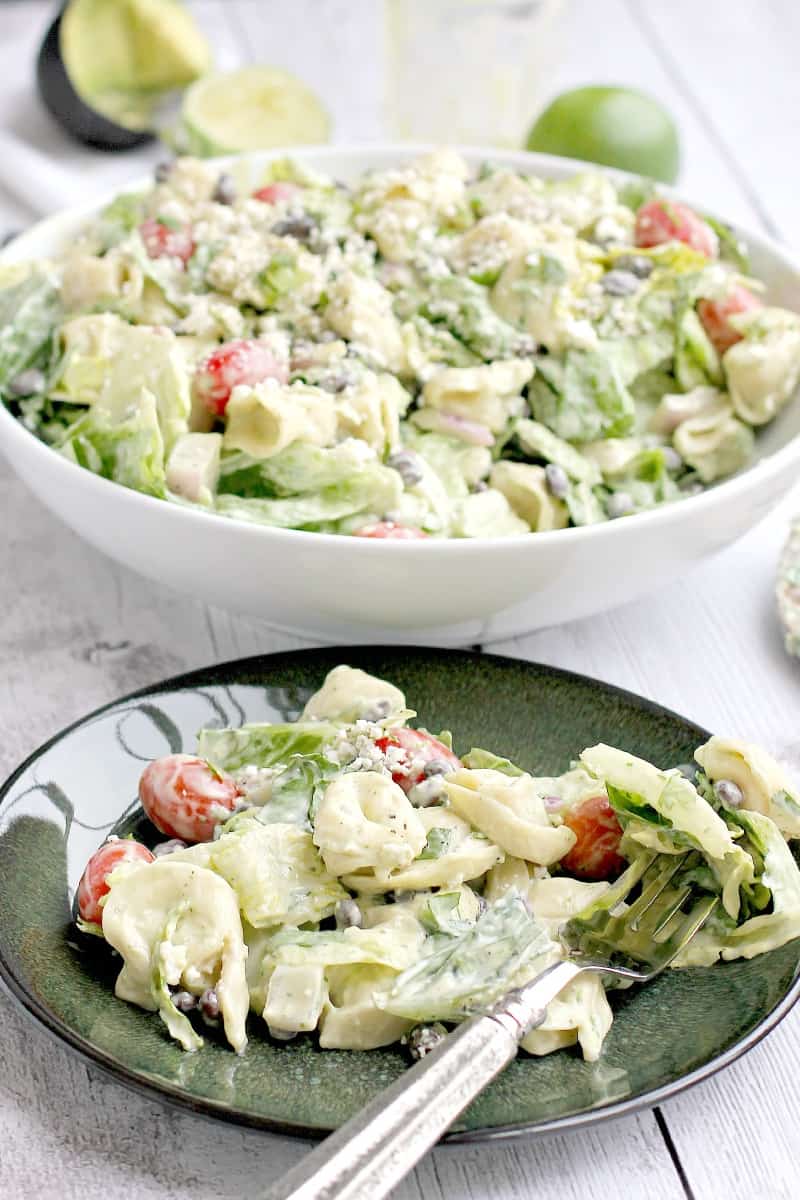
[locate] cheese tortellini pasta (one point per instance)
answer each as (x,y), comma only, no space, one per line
(371,878)
(362,357)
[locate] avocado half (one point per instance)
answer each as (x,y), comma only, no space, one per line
(73,114)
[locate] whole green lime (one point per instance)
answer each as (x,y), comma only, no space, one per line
(615,126)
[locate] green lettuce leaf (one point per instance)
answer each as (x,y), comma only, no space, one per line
(479,759)
(129,451)
(264,745)
(371,489)
(467,973)
(780,876)
(581,396)
(29,312)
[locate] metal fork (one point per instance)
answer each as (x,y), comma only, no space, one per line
(367,1156)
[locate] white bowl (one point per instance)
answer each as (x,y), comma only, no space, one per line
(456,591)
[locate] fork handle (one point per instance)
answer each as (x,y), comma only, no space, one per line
(372,1152)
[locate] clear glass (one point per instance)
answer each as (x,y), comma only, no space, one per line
(470,71)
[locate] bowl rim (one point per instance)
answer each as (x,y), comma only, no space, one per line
(173,1096)
(739,485)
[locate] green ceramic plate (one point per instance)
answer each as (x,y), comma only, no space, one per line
(60,805)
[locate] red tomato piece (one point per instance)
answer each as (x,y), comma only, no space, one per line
(661,221)
(241,361)
(165,241)
(598,832)
(390,529)
(715,316)
(275,193)
(417,749)
(186,798)
(93,886)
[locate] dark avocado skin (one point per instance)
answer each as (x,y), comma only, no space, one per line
(80,121)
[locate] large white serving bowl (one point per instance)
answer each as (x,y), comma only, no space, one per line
(455,591)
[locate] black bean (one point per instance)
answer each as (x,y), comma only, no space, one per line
(557,480)
(209,1004)
(729,793)
(225,189)
(167,847)
(620,283)
(348,915)
(436,766)
(337,382)
(407,465)
(184,1001)
(636,264)
(27,383)
(619,504)
(301,227)
(424,1038)
(162,171)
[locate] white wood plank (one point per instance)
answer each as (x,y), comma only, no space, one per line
(738,63)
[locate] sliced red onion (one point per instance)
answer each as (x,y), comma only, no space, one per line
(468,431)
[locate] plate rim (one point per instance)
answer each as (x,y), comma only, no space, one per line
(166,1093)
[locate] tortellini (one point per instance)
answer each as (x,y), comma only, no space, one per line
(371,410)
(350,694)
(467,855)
(488,395)
(484,250)
(581,1013)
(176,923)
(360,310)
(525,488)
(265,419)
(486,514)
(764,784)
(365,821)
(715,443)
(676,407)
(351,1020)
(763,370)
(510,811)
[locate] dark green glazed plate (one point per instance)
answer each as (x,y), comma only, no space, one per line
(60,805)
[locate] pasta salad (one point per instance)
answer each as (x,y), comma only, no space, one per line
(349,875)
(430,352)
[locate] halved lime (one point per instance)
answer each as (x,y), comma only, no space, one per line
(614,126)
(252,108)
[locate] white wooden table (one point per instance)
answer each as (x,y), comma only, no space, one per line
(76,631)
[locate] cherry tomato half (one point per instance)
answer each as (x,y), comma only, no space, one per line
(417,748)
(715,316)
(382,530)
(93,886)
(164,241)
(661,221)
(186,798)
(241,361)
(598,832)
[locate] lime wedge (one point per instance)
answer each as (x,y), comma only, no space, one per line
(614,126)
(252,108)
